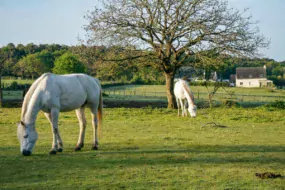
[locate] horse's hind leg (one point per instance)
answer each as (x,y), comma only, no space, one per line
(57,144)
(82,123)
(94,111)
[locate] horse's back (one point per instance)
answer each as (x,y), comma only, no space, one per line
(69,92)
(179,90)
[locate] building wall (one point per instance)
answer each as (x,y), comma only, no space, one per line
(248,82)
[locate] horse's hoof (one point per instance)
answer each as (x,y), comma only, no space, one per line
(60,150)
(77,148)
(95,148)
(52,152)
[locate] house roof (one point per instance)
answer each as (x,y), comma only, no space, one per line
(250,72)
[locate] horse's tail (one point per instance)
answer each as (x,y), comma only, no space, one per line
(29,94)
(100,112)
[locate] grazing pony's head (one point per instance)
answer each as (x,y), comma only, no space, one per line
(192,108)
(27,136)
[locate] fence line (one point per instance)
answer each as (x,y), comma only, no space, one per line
(158,95)
(197,95)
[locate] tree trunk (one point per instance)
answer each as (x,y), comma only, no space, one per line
(169,78)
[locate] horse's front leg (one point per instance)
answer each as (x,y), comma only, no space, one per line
(57,145)
(182,107)
(185,109)
(82,123)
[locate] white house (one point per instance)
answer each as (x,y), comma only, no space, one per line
(252,77)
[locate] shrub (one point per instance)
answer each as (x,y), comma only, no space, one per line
(68,63)
(230,103)
(278,104)
(14,85)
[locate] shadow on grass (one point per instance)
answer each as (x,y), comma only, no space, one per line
(199,149)
(160,155)
(41,167)
(109,148)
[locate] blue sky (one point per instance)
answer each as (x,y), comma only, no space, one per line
(62,21)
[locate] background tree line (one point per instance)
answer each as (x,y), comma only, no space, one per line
(108,64)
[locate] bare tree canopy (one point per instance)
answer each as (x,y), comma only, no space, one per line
(176,31)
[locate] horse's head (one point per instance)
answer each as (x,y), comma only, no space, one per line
(27,136)
(192,108)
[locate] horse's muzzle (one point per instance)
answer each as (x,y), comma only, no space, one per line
(26,153)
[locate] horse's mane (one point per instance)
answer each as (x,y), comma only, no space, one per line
(30,93)
(187,88)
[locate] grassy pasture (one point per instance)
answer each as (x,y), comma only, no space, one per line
(151,149)
(19,81)
(12,94)
(162,88)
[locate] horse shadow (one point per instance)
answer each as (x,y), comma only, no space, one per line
(131,156)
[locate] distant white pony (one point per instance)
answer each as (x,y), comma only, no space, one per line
(59,93)
(182,93)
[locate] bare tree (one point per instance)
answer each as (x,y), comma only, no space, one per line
(175,32)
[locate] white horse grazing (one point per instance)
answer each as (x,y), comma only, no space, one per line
(182,92)
(59,93)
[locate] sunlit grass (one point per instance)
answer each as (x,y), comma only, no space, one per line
(151,149)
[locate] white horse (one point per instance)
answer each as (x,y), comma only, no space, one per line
(59,93)
(182,93)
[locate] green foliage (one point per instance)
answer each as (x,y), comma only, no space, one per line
(22,56)
(278,104)
(32,65)
(112,63)
(47,58)
(137,80)
(14,85)
(68,63)
(229,103)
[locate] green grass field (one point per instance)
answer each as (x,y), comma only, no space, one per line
(151,149)
(12,95)
(202,89)
(19,81)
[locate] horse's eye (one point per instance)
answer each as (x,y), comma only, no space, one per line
(26,136)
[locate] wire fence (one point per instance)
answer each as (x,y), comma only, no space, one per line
(117,94)
(158,95)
